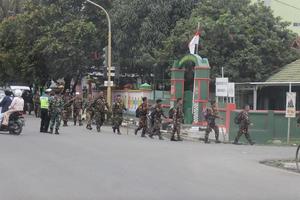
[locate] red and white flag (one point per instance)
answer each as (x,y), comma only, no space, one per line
(194,43)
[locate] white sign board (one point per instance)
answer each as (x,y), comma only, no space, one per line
(231,90)
(106,83)
(290,105)
(221,87)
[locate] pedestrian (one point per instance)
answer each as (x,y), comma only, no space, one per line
(89,109)
(156,115)
(77,109)
(177,119)
(36,104)
(143,110)
(117,111)
(244,121)
(67,111)
(56,105)
(210,117)
(101,107)
(45,118)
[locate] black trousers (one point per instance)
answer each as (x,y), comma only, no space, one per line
(45,119)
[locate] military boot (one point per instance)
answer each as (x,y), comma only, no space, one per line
(74,123)
(98,129)
(119,133)
(80,123)
(56,132)
(135,131)
(51,131)
(173,138)
(114,129)
(65,123)
(89,127)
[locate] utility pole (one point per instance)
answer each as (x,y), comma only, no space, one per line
(109,51)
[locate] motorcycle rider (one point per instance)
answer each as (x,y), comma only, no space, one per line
(16,105)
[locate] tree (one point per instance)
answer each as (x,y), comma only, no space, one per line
(140,26)
(52,39)
(246,39)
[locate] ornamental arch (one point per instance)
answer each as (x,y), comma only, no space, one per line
(195,99)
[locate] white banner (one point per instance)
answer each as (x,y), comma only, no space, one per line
(231,90)
(290,105)
(221,87)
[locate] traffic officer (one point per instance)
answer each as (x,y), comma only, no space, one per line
(44,103)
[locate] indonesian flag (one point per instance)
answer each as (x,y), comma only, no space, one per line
(194,42)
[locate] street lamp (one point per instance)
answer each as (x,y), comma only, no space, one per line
(109,50)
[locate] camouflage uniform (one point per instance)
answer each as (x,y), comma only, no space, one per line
(143,110)
(89,113)
(100,107)
(77,109)
(56,105)
(244,125)
(36,105)
(117,111)
(67,111)
(157,113)
(211,124)
(177,120)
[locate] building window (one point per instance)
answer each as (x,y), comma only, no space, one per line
(296,24)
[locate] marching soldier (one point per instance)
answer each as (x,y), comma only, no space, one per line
(67,111)
(56,105)
(244,122)
(89,109)
(177,119)
(100,106)
(210,117)
(143,111)
(77,109)
(156,117)
(117,111)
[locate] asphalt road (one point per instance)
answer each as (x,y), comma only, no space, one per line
(85,165)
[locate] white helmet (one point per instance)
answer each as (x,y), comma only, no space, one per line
(18,93)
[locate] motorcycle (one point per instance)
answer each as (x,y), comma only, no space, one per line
(15,124)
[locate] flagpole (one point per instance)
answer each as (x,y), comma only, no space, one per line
(197,47)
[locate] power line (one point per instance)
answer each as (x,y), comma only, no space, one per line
(286,4)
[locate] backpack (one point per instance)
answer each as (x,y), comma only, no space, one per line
(204,113)
(137,112)
(171,113)
(237,119)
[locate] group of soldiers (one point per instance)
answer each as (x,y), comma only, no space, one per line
(60,107)
(242,119)
(150,119)
(56,107)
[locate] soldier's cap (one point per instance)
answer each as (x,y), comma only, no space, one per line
(48,90)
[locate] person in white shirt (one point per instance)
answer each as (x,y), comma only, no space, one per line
(16,105)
